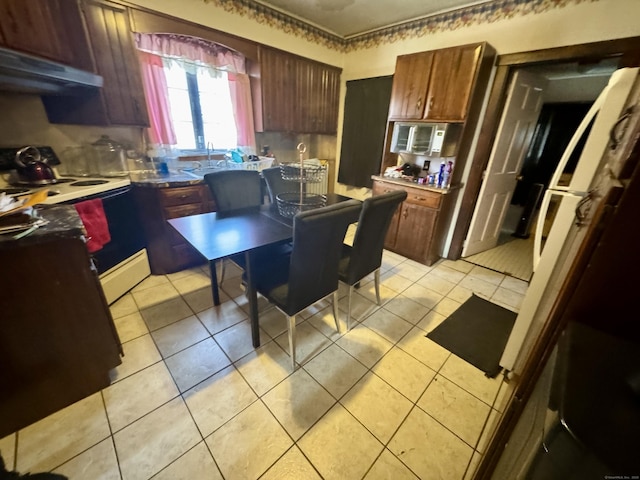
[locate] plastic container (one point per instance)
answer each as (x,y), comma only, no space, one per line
(111,157)
(75,161)
(258,165)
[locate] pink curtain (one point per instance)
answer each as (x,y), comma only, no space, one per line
(240,90)
(211,54)
(191,48)
(156,94)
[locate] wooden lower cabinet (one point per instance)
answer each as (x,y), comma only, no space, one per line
(417,229)
(168,252)
(58,341)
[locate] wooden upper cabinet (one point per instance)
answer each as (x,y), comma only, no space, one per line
(45,28)
(295,94)
(435,85)
(452,79)
(277,72)
(117,61)
(410,84)
(121,99)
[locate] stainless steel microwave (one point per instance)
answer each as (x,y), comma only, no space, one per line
(420,138)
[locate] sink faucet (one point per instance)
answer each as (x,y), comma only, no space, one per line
(209,150)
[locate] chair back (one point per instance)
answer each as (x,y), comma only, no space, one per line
(276,184)
(317,242)
(368,242)
(235,189)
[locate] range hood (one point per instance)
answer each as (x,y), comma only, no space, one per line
(24,73)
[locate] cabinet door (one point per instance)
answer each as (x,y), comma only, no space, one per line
(322,98)
(452,77)
(45,28)
(116,60)
(121,99)
(410,83)
(415,230)
(277,71)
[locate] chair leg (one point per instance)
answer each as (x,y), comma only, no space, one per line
(222,269)
(335,310)
(292,341)
(349,295)
(376,276)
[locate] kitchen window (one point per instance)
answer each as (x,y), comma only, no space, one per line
(201,109)
(198,94)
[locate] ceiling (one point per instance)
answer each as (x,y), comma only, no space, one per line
(348,18)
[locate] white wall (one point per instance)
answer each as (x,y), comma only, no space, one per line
(574,24)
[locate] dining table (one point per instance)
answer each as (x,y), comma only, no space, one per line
(218,235)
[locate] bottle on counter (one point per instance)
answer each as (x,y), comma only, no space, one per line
(441,174)
(448,169)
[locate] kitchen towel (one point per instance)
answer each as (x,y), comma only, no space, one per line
(95,223)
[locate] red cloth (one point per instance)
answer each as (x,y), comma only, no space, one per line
(95,223)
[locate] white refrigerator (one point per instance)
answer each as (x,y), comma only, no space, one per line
(574,198)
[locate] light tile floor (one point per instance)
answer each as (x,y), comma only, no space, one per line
(194,400)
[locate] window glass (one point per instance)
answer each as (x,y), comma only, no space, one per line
(217,112)
(210,98)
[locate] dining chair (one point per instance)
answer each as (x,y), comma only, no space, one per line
(234,190)
(309,273)
(365,255)
(276,184)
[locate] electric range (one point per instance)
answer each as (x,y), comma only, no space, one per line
(65,189)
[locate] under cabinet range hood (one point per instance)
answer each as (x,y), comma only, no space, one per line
(24,73)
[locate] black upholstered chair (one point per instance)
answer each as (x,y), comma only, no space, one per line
(310,272)
(276,184)
(365,255)
(234,190)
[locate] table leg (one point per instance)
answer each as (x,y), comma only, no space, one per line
(252,296)
(214,282)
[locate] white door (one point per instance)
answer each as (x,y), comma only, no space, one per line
(515,132)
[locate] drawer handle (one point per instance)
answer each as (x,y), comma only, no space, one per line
(183,196)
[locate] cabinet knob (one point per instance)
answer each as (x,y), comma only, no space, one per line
(418,104)
(405,213)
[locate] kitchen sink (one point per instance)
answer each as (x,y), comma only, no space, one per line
(200,171)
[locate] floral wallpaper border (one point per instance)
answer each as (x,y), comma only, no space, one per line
(488,12)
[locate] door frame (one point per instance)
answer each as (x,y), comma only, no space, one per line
(628,49)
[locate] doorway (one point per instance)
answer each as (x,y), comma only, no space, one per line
(500,233)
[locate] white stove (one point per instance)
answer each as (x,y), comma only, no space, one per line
(124,261)
(66,189)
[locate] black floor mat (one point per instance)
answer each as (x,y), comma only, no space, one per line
(476,332)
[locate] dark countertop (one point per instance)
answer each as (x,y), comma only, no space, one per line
(63,222)
(173,179)
(412,184)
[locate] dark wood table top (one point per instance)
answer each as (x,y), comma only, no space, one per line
(217,235)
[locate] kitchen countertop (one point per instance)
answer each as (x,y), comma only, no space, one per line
(174,178)
(412,184)
(63,222)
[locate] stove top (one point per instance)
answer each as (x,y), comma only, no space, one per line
(65,189)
